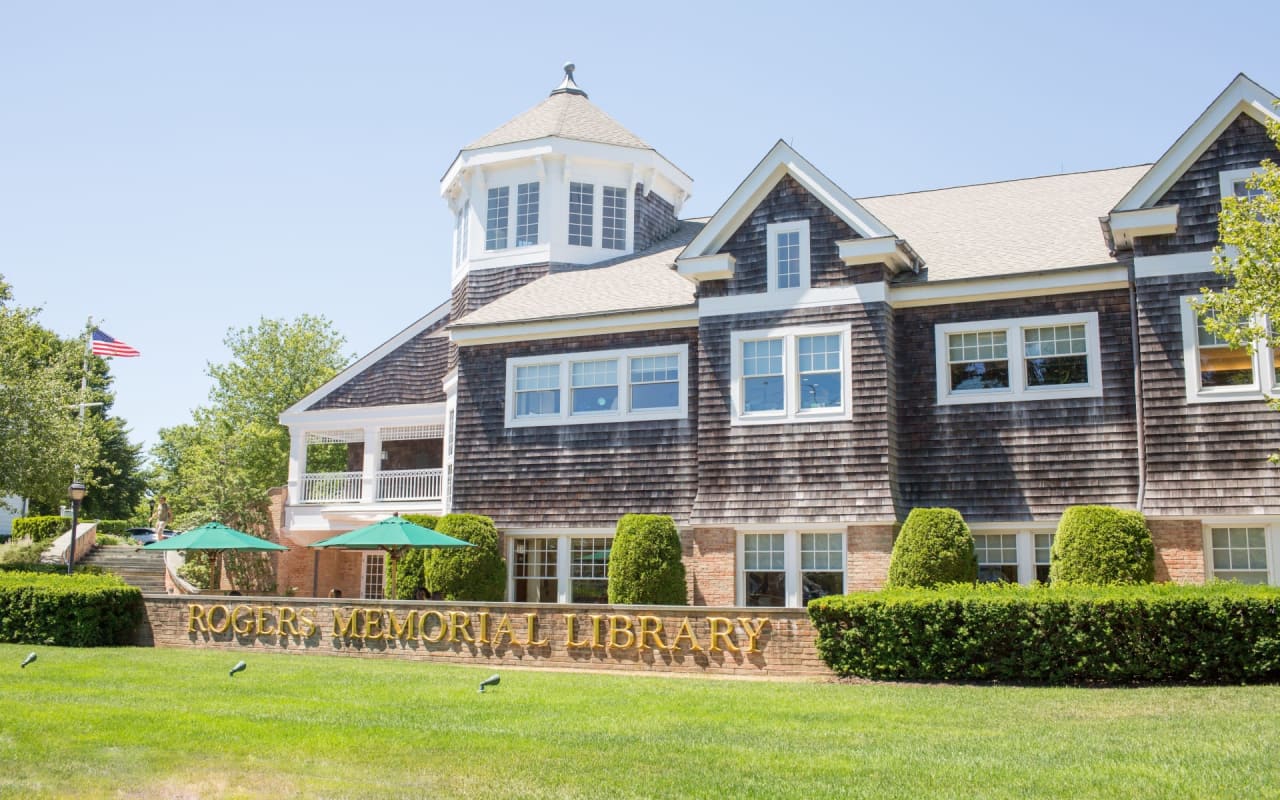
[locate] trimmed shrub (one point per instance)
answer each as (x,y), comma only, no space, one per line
(644,564)
(409,572)
(75,611)
(470,573)
(933,547)
(1101,545)
(1163,633)
(40,529)
(115,527)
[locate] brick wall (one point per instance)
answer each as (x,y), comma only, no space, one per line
(723,642)
(709,558)
(870,547)
(1179,547)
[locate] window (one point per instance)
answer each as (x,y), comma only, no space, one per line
(527,214)
(789,568)
(534,569)
(495,229)
(560,568)
(461,231)
(790,375)
(607,386)
(788,255)
(1235,183)
(1217,372)
(1240,552)
(1019,359)
(581,210)
(589,567)
(1013,556)
(613,222)
(371,583)
(1044,550)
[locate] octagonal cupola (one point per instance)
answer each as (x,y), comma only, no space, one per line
(561,184)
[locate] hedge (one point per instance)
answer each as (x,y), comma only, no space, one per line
(470,573)
(934,546)
(75,611)
(644,562)
(1221,633)
(40,529)
(115,527)
(1102,545)
(409,572)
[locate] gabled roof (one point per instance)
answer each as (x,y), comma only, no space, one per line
(1009,227)
(1242,96)
(781,160)
(568,116)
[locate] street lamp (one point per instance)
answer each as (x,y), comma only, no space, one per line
(76,492)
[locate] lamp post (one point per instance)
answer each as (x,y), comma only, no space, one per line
(76,492)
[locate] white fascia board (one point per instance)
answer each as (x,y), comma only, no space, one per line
(780,160)
(838,524)
(568,327)
(1241,95)
(436,314)
(1128,225)
(524,533)
(881,249)
(786,299)
(1173,264)
(326,418)
(1000,287)
(707,268)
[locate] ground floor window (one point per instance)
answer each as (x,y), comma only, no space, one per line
(1241,552)
(1018,556)
(789,568)
(560,568)
(372,577)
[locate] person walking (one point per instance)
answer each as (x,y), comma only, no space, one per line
(161,517)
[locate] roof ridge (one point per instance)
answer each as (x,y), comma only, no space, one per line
(997,183)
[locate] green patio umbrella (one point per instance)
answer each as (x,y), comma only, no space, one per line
(214,538)
(394,535)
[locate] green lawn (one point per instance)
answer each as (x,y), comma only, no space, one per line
(169,723)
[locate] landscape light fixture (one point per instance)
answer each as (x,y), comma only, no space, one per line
(492,680)
(239,667)
(76,491)
(30,657)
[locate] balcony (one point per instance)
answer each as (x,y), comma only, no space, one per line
(390,485)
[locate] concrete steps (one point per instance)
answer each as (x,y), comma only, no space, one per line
(137,567)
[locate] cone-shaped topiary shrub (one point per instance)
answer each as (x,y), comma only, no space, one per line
(467,573)
(933,547)
(409,572)
(644,564)
(1102,545)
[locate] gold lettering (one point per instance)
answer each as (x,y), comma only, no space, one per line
(722,628)
(373,628)
(752,633)
(345,628)
(685,632)
(460,623)
(287,616)
(618,625)
(571,628)
(440,620)
(504,627)
(399,629)
(260,626)
(226,619)
(235,620)
(195,618)
(597,630)
(650,628)
(482,635)
(531,639)
(309,624)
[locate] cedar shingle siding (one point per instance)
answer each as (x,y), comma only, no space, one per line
(412,373)
(1017,460)
(1202,458)
(655,218)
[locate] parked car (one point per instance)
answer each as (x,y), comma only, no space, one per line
(141,535)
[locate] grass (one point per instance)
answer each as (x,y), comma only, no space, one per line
(171,723)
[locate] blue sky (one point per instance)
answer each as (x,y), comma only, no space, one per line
(176,169)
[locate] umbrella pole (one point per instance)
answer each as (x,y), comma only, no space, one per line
(315,574)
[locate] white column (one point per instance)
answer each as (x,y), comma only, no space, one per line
(1026,557)
(564,582)
(372,464)
(297,465)
(554,221)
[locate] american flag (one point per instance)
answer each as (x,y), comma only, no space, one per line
(104,345)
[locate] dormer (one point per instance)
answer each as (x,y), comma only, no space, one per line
(563,183)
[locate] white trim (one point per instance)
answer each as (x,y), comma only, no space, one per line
(1017,391)
(772,231)
(365,561)
(787,299)
(1262,387)
(804,527)
(425,413)
(1228,177)
(793,582)
(1173,264)
(567,327)
(879,249)
(1242,95)
(791,411)
(564,363)
(1001,287)
(714,267)
(1128,225)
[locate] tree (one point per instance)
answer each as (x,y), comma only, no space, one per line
(645,565)
(1247,312)
(466,573)
(934,546)
(1101,545)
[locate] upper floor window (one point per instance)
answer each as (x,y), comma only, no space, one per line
(460,232)
(1019,359)
(1216,371)
(498,222)
(604,386)
(790,374)
(527,214)
(788,255)
(1235,183)
(581,212)
(613,221)
(495,229)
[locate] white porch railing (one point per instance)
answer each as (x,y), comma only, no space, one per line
(409,484)
(332,487)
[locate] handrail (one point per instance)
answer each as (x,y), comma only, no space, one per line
(410,484)
(86,538)
(332,487)
(176,584)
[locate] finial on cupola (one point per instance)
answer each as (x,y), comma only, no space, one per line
(567,86)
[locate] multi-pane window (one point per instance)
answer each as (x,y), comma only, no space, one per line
(978,360)
(537,390)
(495,229)
(821,565)
(997,557)
(787,255)
(613,218)
(371,584)
(790,374)
(1044,550)
(1056,355)
(764,563)
(820,374)
(581,209)
(1239,554)
(527,214)
(763,380)
(534,570)
(595,386)
(788,245)
(655,381)
(1220,363)
(589,569)
(1218,372)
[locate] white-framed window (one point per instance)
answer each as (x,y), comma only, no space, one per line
(1217,372)
(1013,555)
(790,375)
(1235,183)
(461,230)
(527,197)
(1244,551)
(789,568)
(372,576)
(560,568)
(1006,360)
(496,218)
(642,383)
(613,218)
(501,217)
(581,213)
(788,255)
